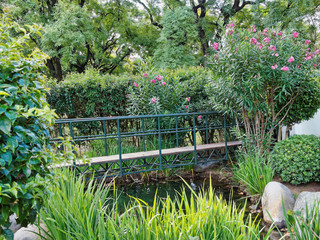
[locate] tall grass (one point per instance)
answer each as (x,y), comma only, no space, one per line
(306,227)
(76,210)
(254,171)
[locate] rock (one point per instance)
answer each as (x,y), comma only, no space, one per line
(276,195)
(202,167)
(14,226)
(306,199)
(29,233)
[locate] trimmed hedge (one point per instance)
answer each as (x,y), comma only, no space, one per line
(297,159)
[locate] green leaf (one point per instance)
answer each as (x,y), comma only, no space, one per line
(8,234)
(12,143)
(5,124)
(2,93)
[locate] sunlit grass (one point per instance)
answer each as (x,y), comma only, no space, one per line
(76,210)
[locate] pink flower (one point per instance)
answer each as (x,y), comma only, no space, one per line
(276,54)
(135,84)
(298,66)
(215,45)
(255,76)
(152,81)
(186,107)
(216,56)
(265,30)
(237,49)
(295,34)
(261,45)
(153,100)
(285,68)
(199,117)
(145,75)
(230,32)
(163,83)
(317,51)
(280,33)
(272,48)
(315,65)
(307,42)
(188,99)
(308,57)
(275,66)
(253,41)
(158,77)
(254,30)
(266,40)
(274,33)
(291,59)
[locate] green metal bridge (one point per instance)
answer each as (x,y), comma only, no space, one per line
(118,146)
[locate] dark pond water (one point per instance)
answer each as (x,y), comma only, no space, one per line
(147,191)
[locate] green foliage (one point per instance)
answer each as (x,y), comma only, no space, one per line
(297,159)
(305,105)
(201,216)
(90,94)
(25,118)
(254,171)
(256,71)
(177,38)
(304,227)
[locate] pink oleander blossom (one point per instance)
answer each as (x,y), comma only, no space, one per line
(230,32)
(163,83)
(188,99)
(261,46)
(276,54)
(215,45)
(280,33)
(145,75)
(285,68)
(266,40)
(295,34)
(272,48)
(274,33)
(152,81)
(135,84)
(153,100)
(291,59)
(315,65)
(307,42)
(274,66)
(308,57)
(186,107)
(253,41)
(158,78)
(199,117)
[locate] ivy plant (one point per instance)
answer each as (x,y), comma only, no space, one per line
(25,118)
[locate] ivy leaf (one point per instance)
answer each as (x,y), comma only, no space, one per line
(12,143)
(5,124)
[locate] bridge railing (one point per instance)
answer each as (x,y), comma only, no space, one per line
(105,136)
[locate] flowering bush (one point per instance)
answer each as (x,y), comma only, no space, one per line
(257,70)
(154,94)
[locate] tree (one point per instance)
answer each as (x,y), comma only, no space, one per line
(177,38)
(258,71)
(25,118)
(79,34)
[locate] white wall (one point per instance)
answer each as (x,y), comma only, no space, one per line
(309,127)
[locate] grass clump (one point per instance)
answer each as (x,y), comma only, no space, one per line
(254,171)
(76,210)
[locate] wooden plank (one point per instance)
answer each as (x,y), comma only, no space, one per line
(155,153)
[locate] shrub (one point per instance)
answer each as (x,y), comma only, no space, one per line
(253,171)
(256,71)
(297,159)
(24,121)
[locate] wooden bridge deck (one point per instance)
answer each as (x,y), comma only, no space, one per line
(148,154)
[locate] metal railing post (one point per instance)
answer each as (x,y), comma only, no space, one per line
(225,136)
(159,138)
(194,139)
(177,135)
(105,138)
(143,136)
(207,131)
(72,136)
(60,133)
(119,145)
